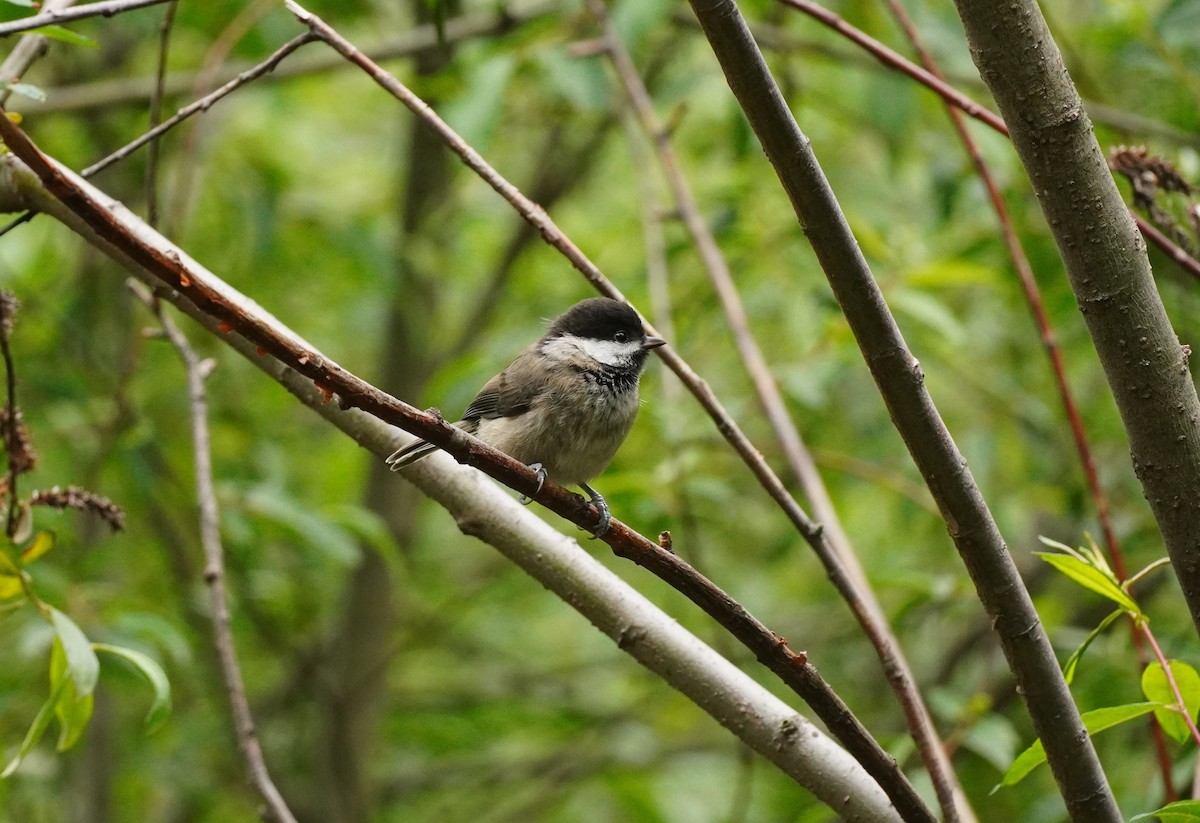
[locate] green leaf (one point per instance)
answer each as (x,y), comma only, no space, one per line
(80,656)
(1073,661)
(38,728)
(1181,811)
(154,674)
(10,577)
(42,542)
(1156,687)
(65,36)
(1088,576)
(1094,721)
(74,711)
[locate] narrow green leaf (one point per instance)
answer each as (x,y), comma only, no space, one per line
(65,36)
(1094,721)
(38,728)
(1181,811)
(72,710)
(1091,578)
(1073,661)
(10,578)
(81,658)
(149,668)
(42,542)
(1156,687)
(73,713)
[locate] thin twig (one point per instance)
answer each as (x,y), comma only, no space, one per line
(214,568)
(1033,298)
(164,44)
(107,8)
(10,405)
(202,104)
(28,49)
(901,384)
(832,546)
(110,93)
(951,95)
(236,314)
(1172,683)
(196,107)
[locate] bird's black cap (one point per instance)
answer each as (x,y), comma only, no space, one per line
(598,318)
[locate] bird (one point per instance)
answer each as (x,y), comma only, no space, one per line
(566,403)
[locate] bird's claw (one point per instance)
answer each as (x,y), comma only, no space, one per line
(601,505)
(541,479)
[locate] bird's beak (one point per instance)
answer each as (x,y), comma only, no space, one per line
(653,342)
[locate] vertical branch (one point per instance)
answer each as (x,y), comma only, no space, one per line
(1106,263)
(198,370)
(8,306)
(160,75)
(1033,298)
(835,550)
(901,383)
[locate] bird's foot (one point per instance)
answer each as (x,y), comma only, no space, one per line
(601,505)
(541,479)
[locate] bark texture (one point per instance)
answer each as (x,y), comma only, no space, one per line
(900,380)
(1105,258)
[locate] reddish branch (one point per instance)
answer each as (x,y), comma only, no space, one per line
(352,392)
(901,383)
(1034,298)
(956,98)
(831,546)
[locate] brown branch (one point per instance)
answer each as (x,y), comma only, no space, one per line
(54,16)
(901,383)
(536,216)
(164,44)
(214,570)
(202,104)
(107,94)
(831,545)
(12,441)
(952,96)
(235,315)
(1033,298)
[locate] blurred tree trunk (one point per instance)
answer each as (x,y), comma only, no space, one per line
(360,649)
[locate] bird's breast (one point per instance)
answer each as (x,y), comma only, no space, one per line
(573,428)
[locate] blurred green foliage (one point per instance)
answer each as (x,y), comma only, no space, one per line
(485,698)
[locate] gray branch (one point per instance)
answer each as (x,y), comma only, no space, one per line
(1106,262)
(901,383)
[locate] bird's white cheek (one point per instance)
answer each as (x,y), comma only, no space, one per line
(608,352)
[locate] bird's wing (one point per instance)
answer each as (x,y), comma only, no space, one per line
(511,393)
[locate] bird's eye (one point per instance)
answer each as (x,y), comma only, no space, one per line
(619,337)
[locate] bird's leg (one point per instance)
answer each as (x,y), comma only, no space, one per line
(541,478)
(600,504)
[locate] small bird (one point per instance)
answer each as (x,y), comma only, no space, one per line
(565,405)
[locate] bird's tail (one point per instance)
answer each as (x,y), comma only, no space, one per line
(409,454)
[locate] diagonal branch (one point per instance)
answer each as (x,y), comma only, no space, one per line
(956,98)
(214,571)
(53,16)
(1033,297)
(1106,263)
(832,546)
(901,383)
(134,243)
